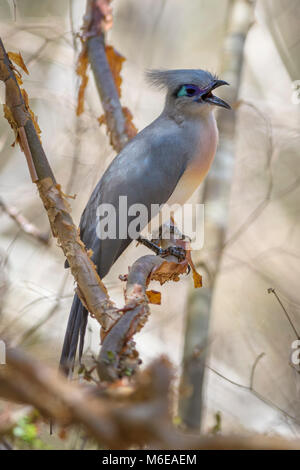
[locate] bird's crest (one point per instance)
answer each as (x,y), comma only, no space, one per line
(172,79)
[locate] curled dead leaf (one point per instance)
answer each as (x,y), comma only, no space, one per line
(169,271)
(196,276)
(68,196)
(197,279)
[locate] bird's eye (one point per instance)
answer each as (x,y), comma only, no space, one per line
(188,90)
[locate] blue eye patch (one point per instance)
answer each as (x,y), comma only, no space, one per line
(189,90)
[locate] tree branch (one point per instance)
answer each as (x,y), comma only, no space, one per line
(118,356)
(116,417)
(91,290)
(95,25)
(24,224)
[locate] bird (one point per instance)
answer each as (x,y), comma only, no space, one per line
(163,164)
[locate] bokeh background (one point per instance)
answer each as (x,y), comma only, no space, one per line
(261,249)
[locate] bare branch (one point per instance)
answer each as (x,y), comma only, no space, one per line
(249,388)
(259,357)
(24,224)
(135,315)
(118,356)
(91,290)
(96,21)
(117,418)
(271,290)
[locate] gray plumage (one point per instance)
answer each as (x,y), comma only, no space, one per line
(151,169)
(170,80)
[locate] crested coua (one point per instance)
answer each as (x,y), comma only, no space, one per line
(164,163)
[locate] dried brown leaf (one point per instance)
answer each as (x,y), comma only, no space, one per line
(18,78)
(81,70)
(115,61)
(32,115)
(8,115)
(18,60)
(154,297)
(196,276)
(130,128)
(102,120)
(169,271)
(68,196)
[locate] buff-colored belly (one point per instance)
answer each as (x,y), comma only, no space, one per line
(195,173)
(198,166)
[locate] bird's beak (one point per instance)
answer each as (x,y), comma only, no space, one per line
(210,98)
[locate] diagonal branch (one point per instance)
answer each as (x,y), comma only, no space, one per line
(97,20)
(91,290)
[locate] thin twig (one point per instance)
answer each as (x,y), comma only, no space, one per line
(249,388)
(28,334)
(24,224)
(272,291)
(259,357)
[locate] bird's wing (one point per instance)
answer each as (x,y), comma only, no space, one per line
(147,171)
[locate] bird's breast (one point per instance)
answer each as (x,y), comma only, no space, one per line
(200,160)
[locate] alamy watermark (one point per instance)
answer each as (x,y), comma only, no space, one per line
(130,221)
(296,92)
(295,356)
(2,352)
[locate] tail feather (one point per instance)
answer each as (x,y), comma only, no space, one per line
(76,326)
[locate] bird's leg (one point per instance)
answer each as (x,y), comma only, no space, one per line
(177,251)
(151,245)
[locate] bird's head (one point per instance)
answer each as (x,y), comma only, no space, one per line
(188,91)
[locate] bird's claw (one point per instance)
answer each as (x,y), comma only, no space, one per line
(177,251)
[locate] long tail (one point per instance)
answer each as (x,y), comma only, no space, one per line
(76,326)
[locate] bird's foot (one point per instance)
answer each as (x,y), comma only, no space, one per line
(151,245)
(177,251)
